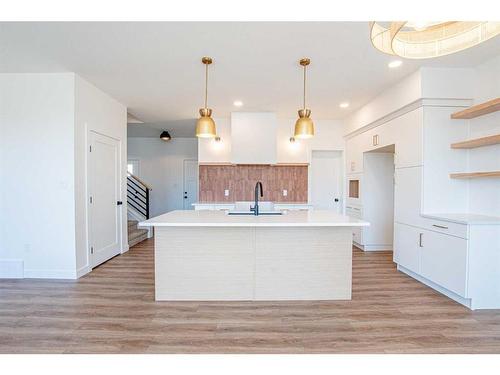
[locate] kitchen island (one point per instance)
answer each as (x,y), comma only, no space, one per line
(210,255)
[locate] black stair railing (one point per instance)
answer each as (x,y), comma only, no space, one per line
(138,195)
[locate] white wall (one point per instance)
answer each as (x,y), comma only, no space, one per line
(328,136)
(37,209)
(96,111)
(425,83)
(44,120)
(403,93)
(484,194)
(161,166)
(210,151)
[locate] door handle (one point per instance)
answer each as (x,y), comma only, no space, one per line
(420,237)
(119,203)
(439,226)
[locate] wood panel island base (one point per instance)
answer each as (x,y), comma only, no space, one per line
(212,256)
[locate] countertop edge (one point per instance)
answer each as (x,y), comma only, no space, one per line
(487,220)
(142,224)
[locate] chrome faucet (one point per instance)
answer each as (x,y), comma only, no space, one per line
(255,208)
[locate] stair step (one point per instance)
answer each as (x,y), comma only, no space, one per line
(137,236)
(137,233)
(137,240)
(132,223)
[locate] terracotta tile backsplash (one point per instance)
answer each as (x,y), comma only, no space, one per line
(240,181)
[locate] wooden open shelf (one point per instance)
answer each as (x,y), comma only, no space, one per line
(475,174)
(478,142)
(478,110)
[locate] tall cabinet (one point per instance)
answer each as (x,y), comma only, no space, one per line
(436,239)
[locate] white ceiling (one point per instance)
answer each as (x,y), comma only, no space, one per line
(155,69)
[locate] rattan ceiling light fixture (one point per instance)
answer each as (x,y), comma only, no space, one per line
(205,126)
(423,40)
(304,127)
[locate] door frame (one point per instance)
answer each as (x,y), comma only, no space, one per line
(88,144)
(184,179)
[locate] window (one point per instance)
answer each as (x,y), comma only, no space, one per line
(133,167)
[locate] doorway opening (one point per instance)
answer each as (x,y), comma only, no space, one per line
(377,203)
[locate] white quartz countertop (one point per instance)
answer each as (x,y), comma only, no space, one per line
(314,218)
(470,219)
(233,203)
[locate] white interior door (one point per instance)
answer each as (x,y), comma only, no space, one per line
(326,180)
(190,183)
(104,194)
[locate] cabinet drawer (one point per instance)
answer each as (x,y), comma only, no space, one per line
(446,227)
(444,261)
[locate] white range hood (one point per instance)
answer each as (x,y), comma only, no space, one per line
(253,138)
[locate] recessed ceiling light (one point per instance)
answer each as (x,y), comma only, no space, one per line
(237,103)
(344,105)
(395,64)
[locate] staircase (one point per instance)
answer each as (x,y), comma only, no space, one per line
(138,197)
(135,235)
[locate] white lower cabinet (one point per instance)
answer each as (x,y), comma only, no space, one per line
(437,257)
(406,246)
(444,261)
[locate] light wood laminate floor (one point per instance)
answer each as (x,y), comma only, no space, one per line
(112,310)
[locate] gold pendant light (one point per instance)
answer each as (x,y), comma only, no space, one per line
(205,126)
(304,127)
(423,40)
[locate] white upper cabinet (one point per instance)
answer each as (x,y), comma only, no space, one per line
(253,138)
(404,132)
(354,153)
(407,131)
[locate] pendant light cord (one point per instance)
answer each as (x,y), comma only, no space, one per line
(304,87)
(206,85)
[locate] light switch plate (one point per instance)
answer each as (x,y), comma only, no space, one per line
(226,193)
(285,193)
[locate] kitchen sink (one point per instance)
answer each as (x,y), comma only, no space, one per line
(250,213)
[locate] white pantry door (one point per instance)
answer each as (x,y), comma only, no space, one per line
(104,195)
(326,180)
(190,183)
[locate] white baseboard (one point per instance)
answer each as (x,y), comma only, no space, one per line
(377,248)
(373,247)
(11,269)
(50,274)
(467,302)
(125,249)
(82,271)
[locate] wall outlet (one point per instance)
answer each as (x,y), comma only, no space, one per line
(285,193)
(226,193)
